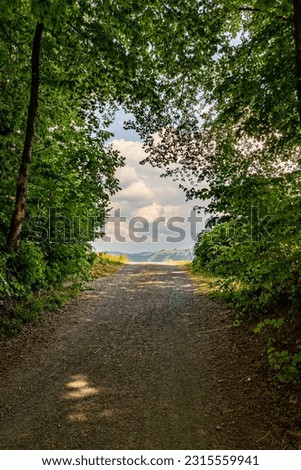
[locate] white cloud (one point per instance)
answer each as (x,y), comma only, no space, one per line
(145,194)
(127,175)
(151,212)
(131,150)
(137,193)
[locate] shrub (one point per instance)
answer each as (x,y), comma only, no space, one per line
(255,274)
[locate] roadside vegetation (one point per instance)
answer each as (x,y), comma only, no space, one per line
(105,264)
(260,282)
(16,311)
(237,151)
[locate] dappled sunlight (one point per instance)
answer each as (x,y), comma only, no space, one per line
(87,403)
(90,294)
(148,273)
(137,376)
(79,388)
(154,275)
(106,413)
(95,401)
(78,417)
(121,375)
(153,283)
(156,263)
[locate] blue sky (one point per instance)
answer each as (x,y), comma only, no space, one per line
(144,194)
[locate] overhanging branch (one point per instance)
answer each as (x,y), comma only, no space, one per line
(258,10)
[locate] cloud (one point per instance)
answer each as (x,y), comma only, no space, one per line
(145,194)
(131,150)
(138,194)
(127,175)
(151,212)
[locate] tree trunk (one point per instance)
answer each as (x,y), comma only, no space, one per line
(297,34)
(14,234)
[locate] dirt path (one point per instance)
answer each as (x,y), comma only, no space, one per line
(141,362)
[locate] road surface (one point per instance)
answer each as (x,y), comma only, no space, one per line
(141,360)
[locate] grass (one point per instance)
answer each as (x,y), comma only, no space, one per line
(276,326)
(22,311)
(208,283)
(216,286)
(18,312)
(106,264)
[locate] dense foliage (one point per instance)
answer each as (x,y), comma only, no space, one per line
(66,66)
(238,148)
(71,173)
(215,88)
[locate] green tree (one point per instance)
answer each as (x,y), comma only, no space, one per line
(238,145)
(97,53)
(246,118)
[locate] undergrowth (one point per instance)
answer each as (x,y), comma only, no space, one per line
(23,299)
(279,324)
(105,264)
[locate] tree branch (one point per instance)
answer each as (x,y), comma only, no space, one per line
(297,35)
(15,43)
(79,32)
(258,10)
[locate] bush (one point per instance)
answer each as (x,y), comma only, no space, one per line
(28,266)
(255,274)
(22,272)
(39,267)
(67,261)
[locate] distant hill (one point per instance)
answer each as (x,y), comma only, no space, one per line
(157,256)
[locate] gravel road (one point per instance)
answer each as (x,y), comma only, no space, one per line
(142,360)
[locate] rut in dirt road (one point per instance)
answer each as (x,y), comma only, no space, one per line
(142,361)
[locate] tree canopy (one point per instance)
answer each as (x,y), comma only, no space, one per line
(238,147)
(66,66)
(215,90)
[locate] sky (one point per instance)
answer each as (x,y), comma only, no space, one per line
(146,196)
